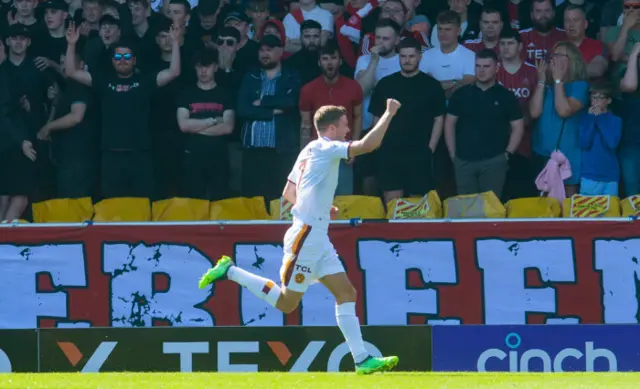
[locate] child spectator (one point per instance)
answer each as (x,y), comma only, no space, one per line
(600,132)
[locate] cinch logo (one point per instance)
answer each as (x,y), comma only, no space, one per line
(520,361)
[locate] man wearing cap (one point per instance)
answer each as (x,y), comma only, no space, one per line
(268,104)
(49,47)
(309,9)
(247,50)
(30,86)
(204,28)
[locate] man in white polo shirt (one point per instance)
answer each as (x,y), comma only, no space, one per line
(452,64)
(309,9)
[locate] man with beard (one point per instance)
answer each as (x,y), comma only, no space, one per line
(331,88)
(541,38)
(404,160)
(49,47)
(206,114)
(483,129)
(125,97)
(371,68)
(305,61)
(268,104)
(592,50)
(490,27)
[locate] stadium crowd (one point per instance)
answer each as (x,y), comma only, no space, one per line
(211,99)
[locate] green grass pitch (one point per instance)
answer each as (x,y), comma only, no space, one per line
(320,380)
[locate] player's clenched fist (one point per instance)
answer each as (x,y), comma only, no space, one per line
(393,106)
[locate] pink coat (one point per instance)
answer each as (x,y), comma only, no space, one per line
(551,178)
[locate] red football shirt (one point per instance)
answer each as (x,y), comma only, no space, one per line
(590,48)
(537,46)
(476,45)
(369,40)
(344,92)
(522,83)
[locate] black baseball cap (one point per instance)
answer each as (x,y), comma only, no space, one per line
(55,4)
(236,15)
(271,41)
(208,7)
(18,29)
(109,20)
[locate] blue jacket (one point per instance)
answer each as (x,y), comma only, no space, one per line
(286,98)
(599,139)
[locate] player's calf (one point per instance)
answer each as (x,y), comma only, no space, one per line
(288,300)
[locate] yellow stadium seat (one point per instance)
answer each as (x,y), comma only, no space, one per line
(123,209)
(474,206)
(239,208)
(363,207)
(180,209)
(630,206)
(18,221)
(534,207)
(591,206)
(280,209)
(63,210)
(427,207)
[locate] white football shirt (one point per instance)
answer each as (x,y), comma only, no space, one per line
(315,175)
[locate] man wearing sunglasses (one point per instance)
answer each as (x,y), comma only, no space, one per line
(125,97)
(247,50)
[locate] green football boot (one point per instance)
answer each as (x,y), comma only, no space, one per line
(374,364)
(217,273)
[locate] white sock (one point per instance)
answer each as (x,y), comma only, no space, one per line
(261,287)
(350,327)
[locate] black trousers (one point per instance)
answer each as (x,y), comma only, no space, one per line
(206,175)
(264,172)
(76,176)
(127,174)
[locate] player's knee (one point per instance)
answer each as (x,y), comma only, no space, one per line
(348,295)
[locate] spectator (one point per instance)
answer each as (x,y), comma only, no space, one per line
(268,100)
(629,151)
(98,49)
(228,76)
(258,11)
(331,88)
(246,58)
(15,151)
(592,50)
(49,48)
(591,10)
(25,14)
(518,13)
(276,28)
(612,12)
(349,28)
(73,133)
(417,22)
(371,68)
(468,26)
(32,87)
(395,10)
(520,78)
(404,160)
(206,113)
(483,129)
(560,96)
(620,39)
(541,38)
(600,132)
(305,61)
(143,36)
(336,7)
(490,27)
(204,30)
(450,63)
(309,9)
(168,141)
(127,161)
(88,19)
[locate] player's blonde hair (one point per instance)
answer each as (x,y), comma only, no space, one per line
(328,115)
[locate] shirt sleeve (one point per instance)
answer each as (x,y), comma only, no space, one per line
(294,175)
(78,94)
(513,107)
(339,150)
(327,22)
(377,103)
(305,102)
(182,100)
(291,27)
(578,90)
(455,103)
(361,64)
(469,65)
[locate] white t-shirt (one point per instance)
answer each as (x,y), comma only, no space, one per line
(315,174)
(322,16)
(452,66)
(386,66)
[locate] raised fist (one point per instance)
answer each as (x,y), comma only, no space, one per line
(393,106)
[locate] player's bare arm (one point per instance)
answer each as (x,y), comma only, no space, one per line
(373,138)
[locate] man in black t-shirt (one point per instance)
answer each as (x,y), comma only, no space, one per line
(73,134)
(246,58)
(125,99)
(49,47)
(404,160)
(483,129)
(206,113)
